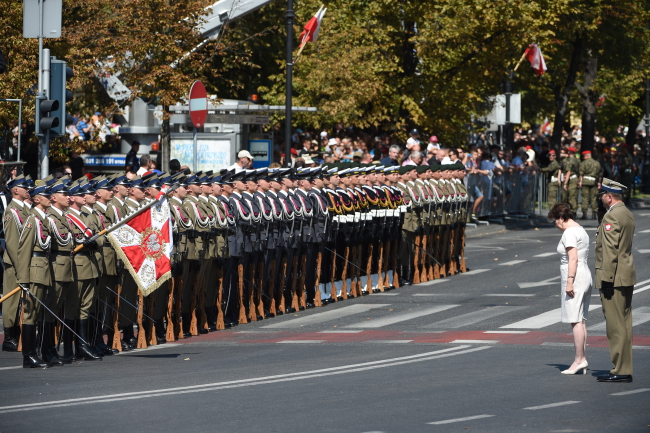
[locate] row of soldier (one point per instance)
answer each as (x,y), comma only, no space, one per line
(247,245)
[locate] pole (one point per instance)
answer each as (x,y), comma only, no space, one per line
(45,141)
(645,181)
(20,126)
(289,103)
(194,149)
(507,129)
(41,93)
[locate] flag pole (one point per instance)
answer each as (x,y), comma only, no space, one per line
(288,104)
(302,46)
(523,56)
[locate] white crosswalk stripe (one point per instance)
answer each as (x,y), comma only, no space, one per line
(472,318)
(541,320)
(513,262)
(401,317)
(547,254)
(639,316)
(326,316)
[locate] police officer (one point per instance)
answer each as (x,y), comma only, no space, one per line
(616,277)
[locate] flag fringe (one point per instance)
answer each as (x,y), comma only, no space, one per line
(127,265)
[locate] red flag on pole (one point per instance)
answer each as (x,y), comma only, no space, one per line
(536,59)
(310,34)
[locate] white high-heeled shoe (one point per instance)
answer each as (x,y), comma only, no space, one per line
(582,367)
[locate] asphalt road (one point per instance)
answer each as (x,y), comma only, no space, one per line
(475,352)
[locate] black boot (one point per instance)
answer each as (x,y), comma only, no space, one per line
(212,318)
(48,348)
(68,354)
(185,321)
(11,342)
(129,341)
(84,350)
(98,339)
(161,334)
(30,359)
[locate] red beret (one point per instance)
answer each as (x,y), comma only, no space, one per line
(529,147)
(551,152)
(586,152)
(571,149)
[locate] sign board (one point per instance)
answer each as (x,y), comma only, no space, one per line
(118,161)
(238,119)
(52,13)
(212,154)
(498,114)
(261,149)
(198,104)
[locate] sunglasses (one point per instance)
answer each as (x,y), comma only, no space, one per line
(68,173)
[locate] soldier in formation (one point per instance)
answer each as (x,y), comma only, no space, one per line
(248,245)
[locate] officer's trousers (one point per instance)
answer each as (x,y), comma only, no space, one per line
(310,277)
(406,254)
(589,198)
(231,288)
(58,295)
(129,299)
(31,306)
(80,301)
(618,321)
(552,194)
(10,306)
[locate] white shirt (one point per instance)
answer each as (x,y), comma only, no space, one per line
(141,171)
(236,167)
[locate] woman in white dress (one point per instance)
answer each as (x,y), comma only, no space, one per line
(576,281)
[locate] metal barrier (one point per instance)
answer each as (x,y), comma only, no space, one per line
(507,193)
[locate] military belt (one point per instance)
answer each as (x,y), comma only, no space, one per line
(45,254)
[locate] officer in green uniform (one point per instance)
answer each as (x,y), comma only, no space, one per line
(591,173)
(34,271)
(410,225)
(554,169)
(13,222)
(616,277)
(570,169)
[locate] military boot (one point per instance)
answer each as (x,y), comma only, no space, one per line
(84,350)
(10,343)
(30,359)
(185,321)
(68,354)
(48,347)
(161,334)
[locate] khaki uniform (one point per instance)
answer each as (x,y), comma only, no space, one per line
(571,167)
(553,170)
(34,266)
(13,221)
(65,272)
(590,172)
(87,269)
(615,264)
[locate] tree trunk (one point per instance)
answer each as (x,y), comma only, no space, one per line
(562,97)
(589,100)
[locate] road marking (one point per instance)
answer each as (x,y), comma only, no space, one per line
(546,254)
(643,251)
(644,231)
(300,341)
(634,391)
(640,315)
(642,282)
(513,262)
(590,228)
(541,320)
(472,318)
(158,346)
(547,406)
(479,247)
(642,289)
(325,316)
(340,331)
(538,283)
(10,368)
(641,347)
(476,341)
(475,271)
(552,343)
(513,295)
(386,294)
(467,418)
(506,332)
(257,331)
(444,353)
(401,317)
(438,281)
(389,341)
(644,214)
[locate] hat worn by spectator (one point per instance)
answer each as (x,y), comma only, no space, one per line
(332,142)
(357,154)
(586,152)
(308,159)
(551,152)
(323,134)
(571,149)
(244,154)
(609,185)
(433,139)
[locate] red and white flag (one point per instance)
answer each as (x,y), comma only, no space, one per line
(310,34)
(546,125)
(536,59)
(144,244)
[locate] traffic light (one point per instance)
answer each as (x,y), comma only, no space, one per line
(45,118)
(60,73)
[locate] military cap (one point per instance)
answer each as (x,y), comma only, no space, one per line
(168,179)
(406,168)
(611,186)
(30,182)
(206,178)
(262,173)
(18,182)
(89,187)
(181,179)
(422,169)
(345,172)
(137,182)
(50,180)
(292,174)
(317,173)
(331,171)
(305,174)
(59,186)
(391,170)
(42,189)
(76,188)
(237,176)
(282,173)
(151,180)
(103,183)
(193,179)
(121,179)
(434,167)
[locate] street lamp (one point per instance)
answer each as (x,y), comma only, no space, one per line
(287,133)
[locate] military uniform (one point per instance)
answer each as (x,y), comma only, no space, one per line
(554,171)
(625,172)
(616,277)
(590,174)
(570,168)
(15,215)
